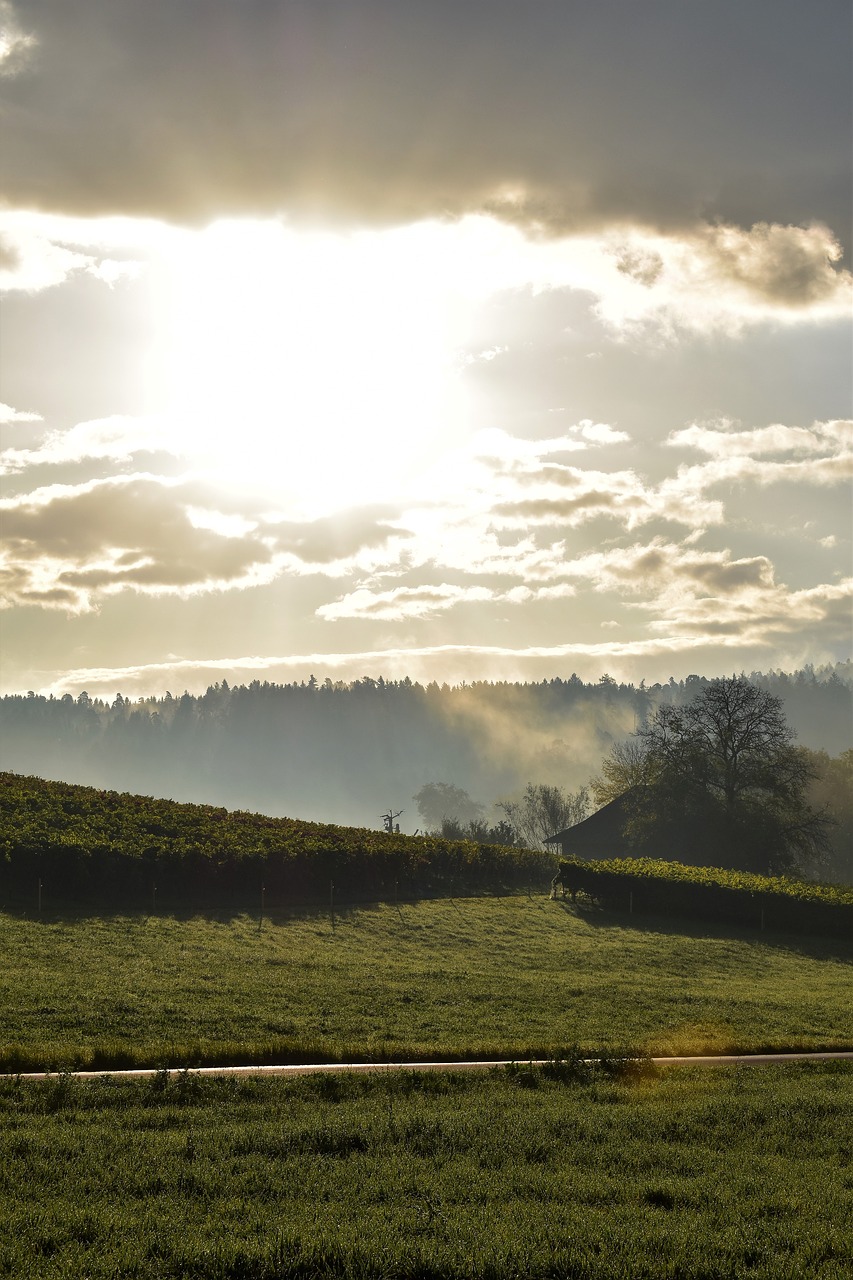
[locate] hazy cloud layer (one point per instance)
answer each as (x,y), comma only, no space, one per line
(501,532)
(563,116)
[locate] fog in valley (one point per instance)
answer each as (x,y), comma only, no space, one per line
(347,752)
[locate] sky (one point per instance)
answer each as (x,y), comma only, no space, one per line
(452,340)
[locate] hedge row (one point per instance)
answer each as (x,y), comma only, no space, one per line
(711,893)
(85,844)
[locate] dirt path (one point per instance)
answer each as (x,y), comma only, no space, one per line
(717,1060)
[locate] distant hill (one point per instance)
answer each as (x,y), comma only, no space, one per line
(344,752)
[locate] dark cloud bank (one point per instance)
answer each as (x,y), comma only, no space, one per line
(567,114)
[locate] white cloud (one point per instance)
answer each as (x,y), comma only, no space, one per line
(41,251)
(8,415)
(30,262)
(116,438)
(402,602)
(427,601)
(721,440)
(111,270)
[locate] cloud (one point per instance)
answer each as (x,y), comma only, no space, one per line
(658,567)
(650,657)
(569,496)
(402,602)
(788,265)
(382,112)
(427,601)
(8,415)
(336,541)
(710,596)
(68,546)
(498,448)
(30,262)
(40,251)
(720,440)
(16,45)
(672,576)
(818,455)
(117,438)
(765,614)
(721,277)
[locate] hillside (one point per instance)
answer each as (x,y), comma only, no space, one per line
(67,842)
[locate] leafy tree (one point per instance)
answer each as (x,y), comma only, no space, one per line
(440,801)
(721,780)
(542,811)
(629,765)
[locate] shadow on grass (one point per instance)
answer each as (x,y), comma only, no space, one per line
(79,911)
(815,947)
(319,913)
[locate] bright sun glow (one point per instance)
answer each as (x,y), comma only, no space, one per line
(318,367)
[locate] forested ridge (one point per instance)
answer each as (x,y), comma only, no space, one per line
(344,752)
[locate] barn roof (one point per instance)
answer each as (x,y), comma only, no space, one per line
(602,834)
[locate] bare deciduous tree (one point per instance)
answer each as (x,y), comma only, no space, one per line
(542,811)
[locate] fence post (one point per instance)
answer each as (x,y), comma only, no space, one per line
(154,900)
(261,916)
(332,902)
(39,895)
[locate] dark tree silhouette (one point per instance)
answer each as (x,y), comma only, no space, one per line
(721,778)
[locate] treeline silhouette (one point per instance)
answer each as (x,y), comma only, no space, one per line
(345,751)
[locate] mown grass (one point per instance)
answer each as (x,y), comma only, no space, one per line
(693,1174)
(484,977)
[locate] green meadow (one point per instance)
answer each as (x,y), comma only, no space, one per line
(563,1172)
(510,976)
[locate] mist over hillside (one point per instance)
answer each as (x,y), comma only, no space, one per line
(345,752)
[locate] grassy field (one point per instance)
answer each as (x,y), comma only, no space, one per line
(692,1175)
(480,977)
